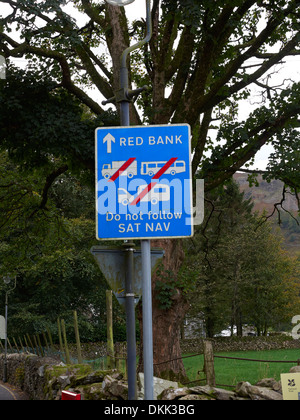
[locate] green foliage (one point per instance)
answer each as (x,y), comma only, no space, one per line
(199,65)
(241,137)
(230,372)
(40,122)
(48,250)
(241,274)
(203,59)
(165,288)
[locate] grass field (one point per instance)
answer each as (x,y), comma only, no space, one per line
(230,372)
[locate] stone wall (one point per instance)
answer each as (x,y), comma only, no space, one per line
(26,371)
(221,344)
(265,390)
(45,378)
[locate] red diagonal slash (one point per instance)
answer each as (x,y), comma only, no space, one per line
(121,169)
(164,168)
(143,193)
(152,184)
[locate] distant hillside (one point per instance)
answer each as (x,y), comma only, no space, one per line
(264,197)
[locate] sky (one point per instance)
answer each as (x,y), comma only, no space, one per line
(289,70)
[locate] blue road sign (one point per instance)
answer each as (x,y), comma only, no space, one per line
(143,182)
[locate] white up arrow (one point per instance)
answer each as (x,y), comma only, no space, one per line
(108,139)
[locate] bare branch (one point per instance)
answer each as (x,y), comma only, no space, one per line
(276,208)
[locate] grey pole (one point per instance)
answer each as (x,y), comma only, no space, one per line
(147,319)
(146,253)
(124,97)
(130,321)
(5,345)
(7,280)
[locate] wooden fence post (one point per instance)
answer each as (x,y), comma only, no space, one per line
(209,368)
(40,345)
(20,341)
(36,345)
(64,333)
(26,344)
(61,346)
(45,340)
(79,357)
(110,337)
(16,345)
(30,343)
(50,339)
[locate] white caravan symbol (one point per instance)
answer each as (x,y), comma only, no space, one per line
(161,192)
(151,168)
(108,170)
(124,197)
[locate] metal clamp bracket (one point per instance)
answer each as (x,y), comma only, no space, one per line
(125,95)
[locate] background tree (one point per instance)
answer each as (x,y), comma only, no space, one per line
(244,276)
(198,66)
(47,248)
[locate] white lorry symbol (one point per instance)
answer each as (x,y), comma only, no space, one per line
(160,192)
(108,170)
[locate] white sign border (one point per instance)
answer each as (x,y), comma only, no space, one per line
(190,182)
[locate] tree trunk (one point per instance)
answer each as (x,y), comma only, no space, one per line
(167,321)
(239,324)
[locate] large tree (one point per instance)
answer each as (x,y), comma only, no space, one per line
(202,60)
(243,276)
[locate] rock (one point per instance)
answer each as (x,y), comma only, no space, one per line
(159,385)
(194,397)
(213,393)
(295,369)
(242,389)
(92,392)
(173,394)
(270,383)
(264,394)
(92,377)
(115,388)
(277,387)
(206,390)
(198,393)
(266,383)
(245,389)
(224,394)
(64,381)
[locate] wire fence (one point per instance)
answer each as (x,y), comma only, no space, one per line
(259,360)
(215,356)
(41,346)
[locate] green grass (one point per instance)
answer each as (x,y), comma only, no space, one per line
(230,372)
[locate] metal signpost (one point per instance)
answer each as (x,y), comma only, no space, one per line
(143,184)
(143,191)
(2,327)
(7,280)
(112,263)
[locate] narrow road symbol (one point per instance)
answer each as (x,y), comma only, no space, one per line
(109,139)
